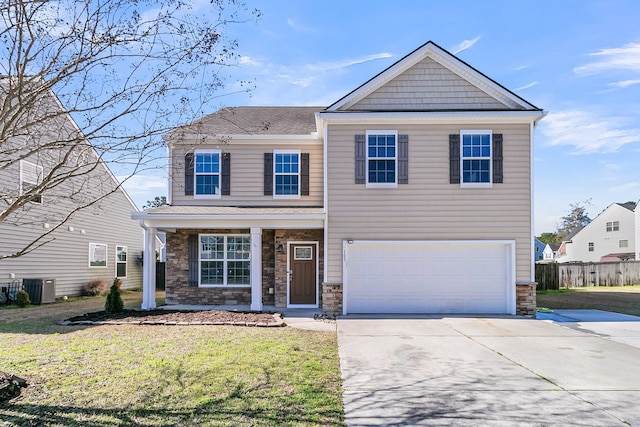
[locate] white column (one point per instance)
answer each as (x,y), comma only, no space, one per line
(149,270)
(256,269)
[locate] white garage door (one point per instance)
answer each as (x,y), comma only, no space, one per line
(429,277)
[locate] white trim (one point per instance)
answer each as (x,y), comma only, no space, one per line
(395,159)
(489,184)
(325,169)
(286,196)
(195,173)
(511,268)
(532,262)
(433,117)
(224,261)
(126,261)
(317,249)
(170,174)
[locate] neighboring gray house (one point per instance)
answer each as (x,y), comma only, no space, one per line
(97,242)
(410,194)
(539,249)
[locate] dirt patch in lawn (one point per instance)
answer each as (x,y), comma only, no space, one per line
(625,299)
(169,317)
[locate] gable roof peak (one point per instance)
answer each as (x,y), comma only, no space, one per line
(503,96)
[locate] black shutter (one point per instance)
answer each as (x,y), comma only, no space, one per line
(403,159)
(188,174)
(226,174)
(268,174)
(192,248)
(454,158)
(361,159)
(496,155)
(304,174)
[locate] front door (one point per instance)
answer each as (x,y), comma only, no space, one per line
(302,274)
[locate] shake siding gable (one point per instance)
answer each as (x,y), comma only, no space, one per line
(432,209)
(428,86)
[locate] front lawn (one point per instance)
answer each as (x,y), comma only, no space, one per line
(170,375)
(619,299)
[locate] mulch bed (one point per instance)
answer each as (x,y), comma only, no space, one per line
(172,317)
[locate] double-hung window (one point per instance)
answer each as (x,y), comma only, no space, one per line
(225,260)
(382,159)
(286,171)
(121,261)
(30,177)
(476,158)
(207,173)
(613,226)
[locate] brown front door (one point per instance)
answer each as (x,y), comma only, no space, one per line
(302,275)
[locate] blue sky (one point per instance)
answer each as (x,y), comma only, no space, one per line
(578,60)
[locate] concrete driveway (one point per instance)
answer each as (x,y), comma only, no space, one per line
(458,370)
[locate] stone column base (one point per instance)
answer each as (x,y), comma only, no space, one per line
(526,298)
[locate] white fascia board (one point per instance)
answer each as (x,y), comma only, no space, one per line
(168,222)
(434,117)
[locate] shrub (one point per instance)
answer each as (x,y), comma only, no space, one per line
(22,299)
(95,287)
(114,303)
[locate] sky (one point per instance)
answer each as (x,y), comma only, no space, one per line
(577,60)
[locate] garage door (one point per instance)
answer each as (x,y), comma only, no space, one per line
(429,277)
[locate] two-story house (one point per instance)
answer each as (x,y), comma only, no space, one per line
(62,211)
(412,193)
(611,236)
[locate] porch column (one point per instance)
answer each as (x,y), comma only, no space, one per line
(149,270)
(256,269)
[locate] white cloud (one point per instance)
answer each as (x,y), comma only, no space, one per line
(299,27)
(626,58)
(625,83)
(588,132)
(142,188)
(247,60)
(527,86)
(328,66)
(464,45)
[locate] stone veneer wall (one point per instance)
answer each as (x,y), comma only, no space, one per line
(332,298)
(281,238)
(268,267)
(177,286)
(526,299)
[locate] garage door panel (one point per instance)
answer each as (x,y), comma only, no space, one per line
(427,277)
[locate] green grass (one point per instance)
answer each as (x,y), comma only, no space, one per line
(170,375)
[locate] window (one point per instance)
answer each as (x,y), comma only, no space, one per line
(224,260)
(207,173)
(381,158)
(591,247)
(476,158)
(623,243)
(121,261)
(97,255)
(287,173)
(30,177)
(613,226)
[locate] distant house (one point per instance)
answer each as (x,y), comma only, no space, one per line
(550,252)
(410,194)
(539,249)
(611,236)
(96,242)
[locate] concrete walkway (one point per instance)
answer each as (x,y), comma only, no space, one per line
(498,370)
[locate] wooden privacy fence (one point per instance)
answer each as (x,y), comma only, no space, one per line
(578,275)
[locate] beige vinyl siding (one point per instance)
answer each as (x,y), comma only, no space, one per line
(247,174)
(428,86)
(429,208)
(66,258)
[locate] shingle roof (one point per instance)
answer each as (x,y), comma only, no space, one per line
(255,121)
(629,205)
(233,210)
